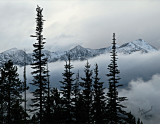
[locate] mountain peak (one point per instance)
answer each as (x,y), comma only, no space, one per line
(77,53)
(12,49)
(144,45)
(140,42)
(78,47)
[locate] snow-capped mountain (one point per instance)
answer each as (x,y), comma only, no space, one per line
(17,56)
(137,45)
(76,53)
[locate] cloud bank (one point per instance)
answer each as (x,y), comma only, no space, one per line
(140,75)
(144,95)
(131,67)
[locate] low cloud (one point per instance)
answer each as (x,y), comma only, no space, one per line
(132,67)
(140,75)
(143,96)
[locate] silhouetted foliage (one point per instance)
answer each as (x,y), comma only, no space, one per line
(66,90)
(86,85)
(56,107)
(2,97)
(11,94)
(82,102)
(47,113)
(131,119)
(115,113)
(39,67)
(25,87)
(76,96)
(99,104)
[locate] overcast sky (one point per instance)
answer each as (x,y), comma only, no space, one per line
(89,23)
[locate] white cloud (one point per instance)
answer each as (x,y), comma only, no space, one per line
(144,94)
(91,23)
(140,74)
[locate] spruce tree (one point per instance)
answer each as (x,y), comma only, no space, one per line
(87,94)
(2,96)
(66,89)
(76,89)
(47,113)
(78,102)
(131,119)
(25,87)
(76,99)
(99,99)
(39,67)
(12,94)
(115,112)
(56,107)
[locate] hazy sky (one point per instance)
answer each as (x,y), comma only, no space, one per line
(89,23)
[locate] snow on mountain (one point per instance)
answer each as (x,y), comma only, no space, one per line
(17,56)
(81,53)
(76,53)
(144,45)
(137,45)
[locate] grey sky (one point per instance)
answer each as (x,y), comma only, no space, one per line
(89,23)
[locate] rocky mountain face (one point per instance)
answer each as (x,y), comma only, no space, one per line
(77,53)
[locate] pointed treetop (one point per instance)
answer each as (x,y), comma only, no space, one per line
(39,9)
(114,37)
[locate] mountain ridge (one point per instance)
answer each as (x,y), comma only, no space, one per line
(76,53)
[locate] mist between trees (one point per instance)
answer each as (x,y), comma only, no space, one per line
(79,99)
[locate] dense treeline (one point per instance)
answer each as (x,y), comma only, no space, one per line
(80,100)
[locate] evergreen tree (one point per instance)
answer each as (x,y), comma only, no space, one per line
(99,99)
(131,119)
(87,94)
(11,94)
(115,114)
(76,89)
(56,107)
(39,66)
(25,87)
(18,114)
(76,100)
(66,88)
(35,118)
(47,112)
(2,96)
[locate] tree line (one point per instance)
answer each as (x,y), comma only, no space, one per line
(80,100)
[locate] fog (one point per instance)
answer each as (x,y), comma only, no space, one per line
(131,67)
(140,75)
(144,96)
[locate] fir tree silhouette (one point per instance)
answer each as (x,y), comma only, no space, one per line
(98,99)
(86,84)
(115,112)
(12,94)
(66,90)
(39,67)
(76,95)
(25,87)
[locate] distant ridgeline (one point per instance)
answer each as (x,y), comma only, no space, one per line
(80,100)
(76,53)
